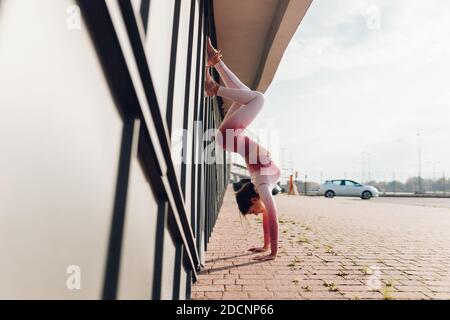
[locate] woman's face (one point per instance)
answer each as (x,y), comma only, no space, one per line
(257,206)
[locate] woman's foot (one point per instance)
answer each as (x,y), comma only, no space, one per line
(213,54)
(211,86)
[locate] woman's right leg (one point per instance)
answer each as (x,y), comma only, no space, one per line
(253,100)
(232,137)
(230,81)
(233,108)
(246,105)
(229,78)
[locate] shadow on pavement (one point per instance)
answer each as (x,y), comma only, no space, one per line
(231,267)
(230,257)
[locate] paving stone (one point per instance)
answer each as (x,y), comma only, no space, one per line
(361,249)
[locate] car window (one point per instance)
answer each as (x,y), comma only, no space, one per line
(349,183)
(337,182)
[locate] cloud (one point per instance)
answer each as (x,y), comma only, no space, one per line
(409,31)
(364,76)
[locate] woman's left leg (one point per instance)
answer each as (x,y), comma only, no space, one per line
(232,137)
(252,102)
(229,78)
(246,106)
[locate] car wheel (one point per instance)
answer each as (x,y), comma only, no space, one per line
(329,194)
(366,195)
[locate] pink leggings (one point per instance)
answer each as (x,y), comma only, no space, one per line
(246,106)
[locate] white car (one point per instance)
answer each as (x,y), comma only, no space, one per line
(347,188)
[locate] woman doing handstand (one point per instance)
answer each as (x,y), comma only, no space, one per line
(254,197)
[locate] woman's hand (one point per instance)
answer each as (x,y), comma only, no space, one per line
(266,258)
(258,249)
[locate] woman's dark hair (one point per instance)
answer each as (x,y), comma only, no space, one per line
(244,197)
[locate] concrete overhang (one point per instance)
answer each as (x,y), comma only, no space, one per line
(253,35)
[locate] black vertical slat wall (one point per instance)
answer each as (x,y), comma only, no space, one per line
(217,173)
(95,181)
(189,227)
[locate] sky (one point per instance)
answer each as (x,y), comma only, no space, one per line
(358,82)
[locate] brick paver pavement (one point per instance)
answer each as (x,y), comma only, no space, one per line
(341,248)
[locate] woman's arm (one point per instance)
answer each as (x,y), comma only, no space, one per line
(266,229)
(266,235)
(265,194)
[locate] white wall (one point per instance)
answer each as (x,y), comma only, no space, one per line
(59,140)
(138,248)
(158,46)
